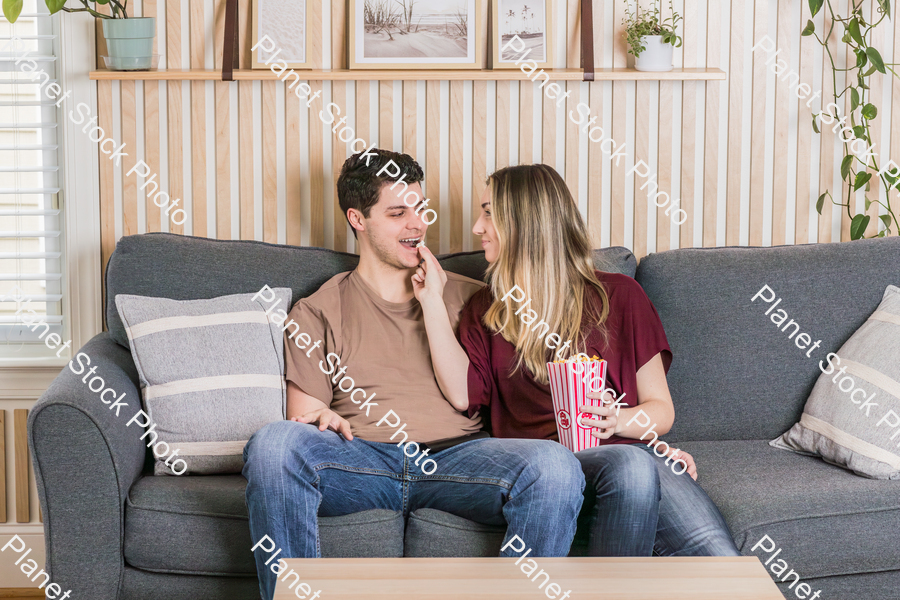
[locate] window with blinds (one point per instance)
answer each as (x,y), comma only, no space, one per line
(30,217)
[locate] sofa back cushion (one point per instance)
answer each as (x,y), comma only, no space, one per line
(735,374)
(181,267)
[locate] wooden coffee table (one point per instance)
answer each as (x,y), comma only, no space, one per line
(731,578)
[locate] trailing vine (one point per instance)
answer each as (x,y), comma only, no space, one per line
(858,165)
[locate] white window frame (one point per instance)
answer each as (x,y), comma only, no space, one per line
(80,179)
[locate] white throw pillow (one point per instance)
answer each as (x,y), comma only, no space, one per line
(852,416)
(211,373)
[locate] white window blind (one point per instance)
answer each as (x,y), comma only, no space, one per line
(31,239)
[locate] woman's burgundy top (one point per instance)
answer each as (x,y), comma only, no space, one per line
(518,406)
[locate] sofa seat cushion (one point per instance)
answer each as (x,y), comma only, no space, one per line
(198,525)
(432,533)
(826,520)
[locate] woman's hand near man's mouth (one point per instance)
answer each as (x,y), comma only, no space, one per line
(429,278)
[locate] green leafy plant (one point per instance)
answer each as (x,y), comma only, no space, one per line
(12,8)
(860,166)
(639,23)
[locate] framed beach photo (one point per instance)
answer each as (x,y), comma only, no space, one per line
(281,25)
(415,34)
(521,31)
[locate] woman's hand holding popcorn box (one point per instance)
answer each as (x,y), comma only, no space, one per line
(570,383)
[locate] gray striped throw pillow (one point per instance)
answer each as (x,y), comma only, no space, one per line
(211,373)
(852,416)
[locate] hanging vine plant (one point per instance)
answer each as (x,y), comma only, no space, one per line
(859,163)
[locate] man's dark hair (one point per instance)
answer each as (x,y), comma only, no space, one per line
(359,185)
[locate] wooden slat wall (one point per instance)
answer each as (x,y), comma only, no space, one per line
(740,154)
(2,465)
(23,491)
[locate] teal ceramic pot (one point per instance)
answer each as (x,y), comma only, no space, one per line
(129,42)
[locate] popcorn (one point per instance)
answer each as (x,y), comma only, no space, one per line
(421,243)
(570,381)
(580,357)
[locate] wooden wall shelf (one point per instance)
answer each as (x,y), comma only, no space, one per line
(411,75)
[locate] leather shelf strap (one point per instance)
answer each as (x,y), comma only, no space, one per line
(587,39)
(230,52)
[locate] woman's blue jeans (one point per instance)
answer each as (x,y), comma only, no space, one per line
(296,473)
(635,505)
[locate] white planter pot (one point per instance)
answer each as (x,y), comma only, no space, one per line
(656,57)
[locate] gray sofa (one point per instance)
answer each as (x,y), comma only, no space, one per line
(114,531)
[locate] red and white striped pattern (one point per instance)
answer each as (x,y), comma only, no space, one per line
(569,384)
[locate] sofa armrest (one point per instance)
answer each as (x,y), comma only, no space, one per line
(85,462)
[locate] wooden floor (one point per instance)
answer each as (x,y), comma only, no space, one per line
(21,593)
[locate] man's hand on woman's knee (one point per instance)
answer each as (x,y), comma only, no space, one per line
(326,419)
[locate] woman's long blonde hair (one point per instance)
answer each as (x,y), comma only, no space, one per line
(545,250)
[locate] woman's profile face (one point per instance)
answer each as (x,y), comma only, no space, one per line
(485,228)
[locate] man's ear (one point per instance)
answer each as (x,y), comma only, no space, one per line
(356,219)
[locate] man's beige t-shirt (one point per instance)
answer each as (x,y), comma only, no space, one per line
(384,347)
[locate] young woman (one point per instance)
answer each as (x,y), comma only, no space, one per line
(534,238)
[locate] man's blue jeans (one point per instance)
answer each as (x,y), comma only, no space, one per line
(296,473)
(636,505)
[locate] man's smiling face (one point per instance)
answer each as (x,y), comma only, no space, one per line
(393,228)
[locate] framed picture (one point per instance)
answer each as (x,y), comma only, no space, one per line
(521,31)
(415,34)
(281,24)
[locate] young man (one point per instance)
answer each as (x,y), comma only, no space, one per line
(369,424)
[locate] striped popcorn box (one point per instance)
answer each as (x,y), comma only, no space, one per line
(570,382)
